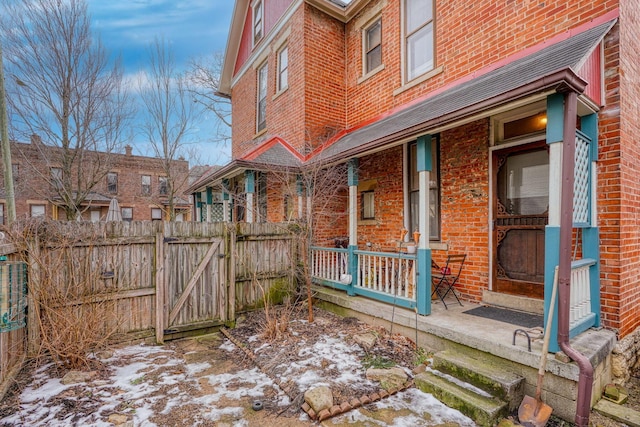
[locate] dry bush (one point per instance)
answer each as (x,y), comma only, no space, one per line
(68,289)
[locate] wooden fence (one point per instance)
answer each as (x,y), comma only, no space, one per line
(162,279)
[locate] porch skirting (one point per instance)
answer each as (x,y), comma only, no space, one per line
(453,330)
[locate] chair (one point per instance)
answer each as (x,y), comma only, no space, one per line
(442,280)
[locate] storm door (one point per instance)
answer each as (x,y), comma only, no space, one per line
(521,206)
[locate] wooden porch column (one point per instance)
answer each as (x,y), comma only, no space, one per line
(249,189)
(198,206)
(555,130)
(423,277)
(225,201)
(591,234)
(209,203)
(353,224)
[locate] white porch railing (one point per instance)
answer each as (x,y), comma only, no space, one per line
(580,301)
(387,273)
(330,264)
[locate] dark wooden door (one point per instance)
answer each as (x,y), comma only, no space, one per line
(521,205)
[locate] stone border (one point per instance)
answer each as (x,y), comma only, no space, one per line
(345,406)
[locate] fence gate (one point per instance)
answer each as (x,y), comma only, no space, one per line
(191,288)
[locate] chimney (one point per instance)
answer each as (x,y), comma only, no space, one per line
(127,150)
(35,139)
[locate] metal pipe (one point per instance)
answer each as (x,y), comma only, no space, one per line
(585,379)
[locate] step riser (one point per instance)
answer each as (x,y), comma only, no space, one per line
(484,411)
(484,373)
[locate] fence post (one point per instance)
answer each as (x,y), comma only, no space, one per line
(230,250)
(33,314)
(160,287)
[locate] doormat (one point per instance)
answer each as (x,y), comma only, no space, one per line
(519,318)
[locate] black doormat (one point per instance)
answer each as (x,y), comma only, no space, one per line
(526,320)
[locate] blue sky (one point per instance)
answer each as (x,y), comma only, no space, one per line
(192,27)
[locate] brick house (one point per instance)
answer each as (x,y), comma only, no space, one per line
(467,123)
(138,183)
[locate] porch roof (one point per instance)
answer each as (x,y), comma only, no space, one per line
(553,67)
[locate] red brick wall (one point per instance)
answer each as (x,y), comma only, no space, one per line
(464,198)
(468,37)
(621,309)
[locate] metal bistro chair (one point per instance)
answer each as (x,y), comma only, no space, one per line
(443,279)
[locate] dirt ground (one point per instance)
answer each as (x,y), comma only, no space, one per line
(276,354)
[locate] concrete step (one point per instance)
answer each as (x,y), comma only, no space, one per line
(483,371)
(485,411)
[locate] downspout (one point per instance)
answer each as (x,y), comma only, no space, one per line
(585,379)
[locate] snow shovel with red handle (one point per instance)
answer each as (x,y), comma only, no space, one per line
(533,412)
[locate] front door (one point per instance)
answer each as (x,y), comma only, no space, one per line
(520,206)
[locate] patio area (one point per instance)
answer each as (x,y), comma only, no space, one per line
(453,329)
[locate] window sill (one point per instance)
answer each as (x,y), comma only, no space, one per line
(367,222)
(259,134)
(278,94)
(418,80)
(371,73)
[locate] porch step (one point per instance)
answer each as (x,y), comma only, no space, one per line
(485,411)
(484,371)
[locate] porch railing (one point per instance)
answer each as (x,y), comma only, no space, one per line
(581,316)
(387,277)
(387,273)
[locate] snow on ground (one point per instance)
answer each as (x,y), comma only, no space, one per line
(148,381)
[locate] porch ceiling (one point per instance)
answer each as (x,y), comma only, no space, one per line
(553,67)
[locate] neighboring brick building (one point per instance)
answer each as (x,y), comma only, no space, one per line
(138,183)
(457,113)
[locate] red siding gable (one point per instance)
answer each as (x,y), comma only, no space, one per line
(273,11)
(591,71)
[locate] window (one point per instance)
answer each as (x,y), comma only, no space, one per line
(418,49)
(56,178)
(112,183)
(127,214)
(261,107)
(373,46)
(368,203)
(37,210)
(283,69)
(156,214)
(146,185)
(163,182)
(258,20)
(95,216)
(15,170)
(1,213)
(434,192)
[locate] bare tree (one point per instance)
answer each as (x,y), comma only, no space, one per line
(204,80)
(64,89)
(168,118)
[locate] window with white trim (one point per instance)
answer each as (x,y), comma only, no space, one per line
(127,214)
(418,37)
(145,183)
(261,105)
(56,178)
(37,210)
(156,214)
(258,21)
(368,205)
(434,191)
(112,183)
(283,68)
(163,185)
(372,46)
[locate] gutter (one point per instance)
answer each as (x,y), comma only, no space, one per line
(585,378)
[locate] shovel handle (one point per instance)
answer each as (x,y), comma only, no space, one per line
(547,335)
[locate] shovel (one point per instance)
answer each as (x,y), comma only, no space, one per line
(533,412)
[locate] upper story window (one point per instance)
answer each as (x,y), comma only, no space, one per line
(145,182)
(418,37)
(261,107)
(258,21)
(283,68)
(112,182)
(372,46)
(56,178)
(434,191)
(15,171)
(163,187)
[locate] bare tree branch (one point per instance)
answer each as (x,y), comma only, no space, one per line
(65,90)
